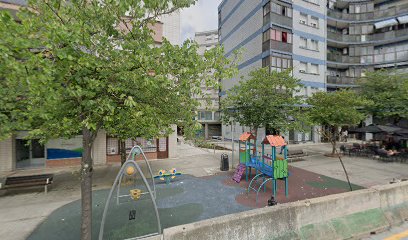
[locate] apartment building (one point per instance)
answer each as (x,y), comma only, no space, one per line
(280,35)
(365,36)
(208,114)
(16,153)
(328,43)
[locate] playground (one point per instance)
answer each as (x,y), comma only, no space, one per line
(130,210)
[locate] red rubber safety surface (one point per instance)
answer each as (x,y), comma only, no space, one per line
(302,185)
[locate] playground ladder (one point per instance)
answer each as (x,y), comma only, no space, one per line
(257,183)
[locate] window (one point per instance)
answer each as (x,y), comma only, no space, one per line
(314,22)
(303,67)
(314,45)
(280,62)
(314,69)
(267,9)
(280,9)
(303,42)
(284,37)
(278,36)
(303,18)
(266,36)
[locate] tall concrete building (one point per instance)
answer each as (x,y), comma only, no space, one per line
(365,36)
(208,112)
(279,35)
(329,44)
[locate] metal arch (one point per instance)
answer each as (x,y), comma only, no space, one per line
(249,186)
(119,178)
(259,189)
(131,157)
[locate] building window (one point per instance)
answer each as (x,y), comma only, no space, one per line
(204,115)
(277,35)
(279,63)
(303,19)
(303,67)
(303,42)
(314,22)
(314,69)
(267,9)
(314,45)
(280,9)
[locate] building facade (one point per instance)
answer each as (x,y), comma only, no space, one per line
(16,153)
(365,36)
(279,35)
(329,44)
(208,114)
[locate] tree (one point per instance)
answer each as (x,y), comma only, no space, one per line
(266,99)
(389,92)
(81,66)
(334,110)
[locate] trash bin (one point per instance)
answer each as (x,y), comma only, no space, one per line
(224,162)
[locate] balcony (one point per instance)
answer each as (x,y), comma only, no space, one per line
(277,19)
(373,59)
(363,39)
(276,45)
(333,57)
(369,16)
(341,81)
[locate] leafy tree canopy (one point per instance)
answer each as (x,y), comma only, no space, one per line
(389,92)
(265,99)
(335,109)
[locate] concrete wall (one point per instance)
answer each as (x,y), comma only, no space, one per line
(173,143)
(99,148)
(341,216)
(7,155)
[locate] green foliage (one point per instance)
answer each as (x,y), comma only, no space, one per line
(266,99)
(389,92)
(83,65)
(336,109)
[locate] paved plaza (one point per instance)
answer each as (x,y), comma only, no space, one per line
(201,192)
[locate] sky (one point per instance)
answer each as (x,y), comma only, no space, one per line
(203,16)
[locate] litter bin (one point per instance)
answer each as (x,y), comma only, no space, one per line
(224,162)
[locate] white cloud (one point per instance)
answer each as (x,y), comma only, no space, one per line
(203,16)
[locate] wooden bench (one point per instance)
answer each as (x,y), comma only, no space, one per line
(29,181)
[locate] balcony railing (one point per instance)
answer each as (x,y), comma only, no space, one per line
(276,45)
(378,58)
(347,81)
(369,15)
(278,19)
(377,37)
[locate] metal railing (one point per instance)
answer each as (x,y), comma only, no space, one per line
(378,58)
(395,11)
(342,80)
(387,36)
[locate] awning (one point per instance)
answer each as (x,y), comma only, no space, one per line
(386,23)
(403,19)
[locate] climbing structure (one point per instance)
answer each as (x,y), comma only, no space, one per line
(270,167)
(247,151)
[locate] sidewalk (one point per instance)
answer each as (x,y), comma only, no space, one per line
(21,211)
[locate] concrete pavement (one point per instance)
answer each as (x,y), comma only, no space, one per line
(21,211)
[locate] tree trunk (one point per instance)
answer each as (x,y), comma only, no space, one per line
(345,171)
(122,152)
(334,140)
(86,184)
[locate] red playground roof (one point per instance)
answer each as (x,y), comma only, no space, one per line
(245,136)
(274,141)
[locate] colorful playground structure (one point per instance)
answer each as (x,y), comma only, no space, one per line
(268,167)
(167,176)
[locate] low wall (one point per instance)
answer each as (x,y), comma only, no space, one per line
(340,216)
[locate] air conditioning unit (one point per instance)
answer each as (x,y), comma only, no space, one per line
(314,25)
(302,71)
(302,21)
